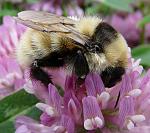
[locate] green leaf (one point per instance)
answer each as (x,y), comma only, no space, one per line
(144,21)
(9,12)
(19,103)
(32,1)
(143,52)
(92,10)
(98,8)
(123,5)
(7,5)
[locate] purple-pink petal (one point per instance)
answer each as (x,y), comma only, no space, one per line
(126,85)
(74,110)
(72,102)
(94,84)
(90,107)
(40,90)
(19,84)
(24,124)
(93,117)
(126,108)
(55,99)
(70,83)
(48,120)
(67,123)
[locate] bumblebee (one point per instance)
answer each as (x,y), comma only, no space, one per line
(80,46)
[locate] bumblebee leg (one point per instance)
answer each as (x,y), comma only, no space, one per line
(38,74)
(51,61)
(111,75)
(81,67)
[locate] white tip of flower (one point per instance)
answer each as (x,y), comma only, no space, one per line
(50,111)
(98,122)
(104,96)
(29,88)
(5,82)
(129,49)
(46,108)
(137,62)
(88,124)
(137,118)
(41,106)
(130,125)
(22,129)
(59,129)
(135,92)
(127,96)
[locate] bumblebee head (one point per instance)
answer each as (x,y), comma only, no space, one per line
(114,47)
(107,54)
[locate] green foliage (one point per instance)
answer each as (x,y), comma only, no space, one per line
(143,52)
(6,12)
(19,103)
(7,8)
(144,7)
(107,6)
(98,8)
(31,1)
(144,21)
(122,5)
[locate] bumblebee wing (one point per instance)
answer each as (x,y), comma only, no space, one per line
(44,17)
(47,22)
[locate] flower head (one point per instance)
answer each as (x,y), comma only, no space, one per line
(128,26)
(91,106)
(11,74)
(72,8)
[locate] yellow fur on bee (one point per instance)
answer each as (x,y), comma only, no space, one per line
(24,50)
(116,52)
(36,45)
(87,25)
(33,44)
(60,41)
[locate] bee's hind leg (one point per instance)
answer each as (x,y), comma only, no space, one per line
(38,74)
(50,61)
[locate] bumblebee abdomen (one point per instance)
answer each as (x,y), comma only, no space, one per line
(24,51)
(33,45)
